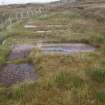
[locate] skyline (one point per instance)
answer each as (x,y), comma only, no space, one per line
(2,2)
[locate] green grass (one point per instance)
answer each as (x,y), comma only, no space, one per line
(97,74)
(67,80)
(3,54)
(100,95)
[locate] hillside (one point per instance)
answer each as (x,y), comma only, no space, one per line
(53,54)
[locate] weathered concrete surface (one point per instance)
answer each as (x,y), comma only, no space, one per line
(17,73)
(20,51)
(13,74)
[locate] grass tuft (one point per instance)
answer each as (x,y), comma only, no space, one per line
(68,80)
(100,96)
(97,74)
(3,54)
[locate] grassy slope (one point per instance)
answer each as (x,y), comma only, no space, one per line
(63,80)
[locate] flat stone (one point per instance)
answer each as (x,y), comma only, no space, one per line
(20,51)
(13,74)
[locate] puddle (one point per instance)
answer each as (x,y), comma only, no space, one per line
(13,74)
(57,25)
(30,26)
(44,31)
(49,31)
(38,31)
(35,26)
(66,48)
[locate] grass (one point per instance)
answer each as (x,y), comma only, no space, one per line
(78,29)
(3,36)
(57,84)
(67,80)
(3,54)
(97,74)
(63,79)
(100,95)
